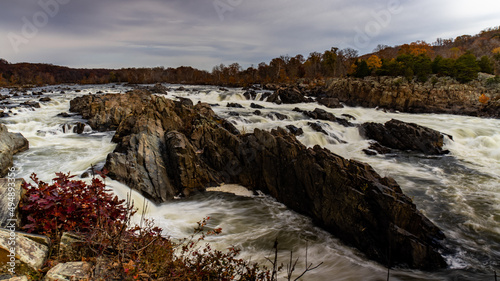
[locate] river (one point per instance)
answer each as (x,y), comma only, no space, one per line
(459,192)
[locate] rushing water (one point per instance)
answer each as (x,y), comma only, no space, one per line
(459,192)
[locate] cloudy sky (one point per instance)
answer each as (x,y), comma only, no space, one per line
(204,33)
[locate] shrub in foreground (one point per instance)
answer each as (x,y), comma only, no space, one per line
(119,250)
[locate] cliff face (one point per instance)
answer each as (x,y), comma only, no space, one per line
(169,147)
(444,96)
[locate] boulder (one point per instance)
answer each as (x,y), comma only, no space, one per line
(256,106)
(405,136)
(10,144)
(11,191)
(70,271)
(166,148)
(78,128)
(330,102)
(294,130)
(235,105)
(45,99)
(24,250)
(322,114)
(288,95)
(32,104)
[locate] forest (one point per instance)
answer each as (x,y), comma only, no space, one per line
(462,58)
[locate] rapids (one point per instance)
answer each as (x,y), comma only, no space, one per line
(459,192)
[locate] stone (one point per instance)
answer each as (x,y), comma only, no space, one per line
(70,246)
(277,115)
(294,130)
(11,191)
(288,96)
(16,278)
(32,104)
(10,144)
(330,102)
(395,94)
(405,136)
(79,128)
(70,271)
(322,114)
(165,148)
(235,105)
(256,106)
(26,250)
(45,99)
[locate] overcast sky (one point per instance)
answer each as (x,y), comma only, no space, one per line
(204,33)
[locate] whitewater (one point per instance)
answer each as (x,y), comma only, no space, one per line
(459,192)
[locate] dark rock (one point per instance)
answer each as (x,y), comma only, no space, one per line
(294,130)
(265,96)
(349,116)
(181,89)
(277,115)
(375,148)
(164,149)
(158,88)
(64,114)
(330,102)
(322,114)
(223,89)
(250,95)
(288,96)
(33,104)
(233,113)
(37,94)
(45,99)
(186,102)
(317,127)
(79,128)
(257,112)
(257,106)
(234,105)
(299,110)
(405,136)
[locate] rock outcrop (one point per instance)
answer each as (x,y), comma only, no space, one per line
(10,144)
(443,96)
(288,96)
(405,136)
(166,147)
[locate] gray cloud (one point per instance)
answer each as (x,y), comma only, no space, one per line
(201,33)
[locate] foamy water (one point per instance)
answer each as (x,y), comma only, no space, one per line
(459,192)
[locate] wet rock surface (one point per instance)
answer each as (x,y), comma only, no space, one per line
(404,136)
(166,148)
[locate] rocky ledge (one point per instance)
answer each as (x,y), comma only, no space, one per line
(169,147)
(10,144)
(438,95)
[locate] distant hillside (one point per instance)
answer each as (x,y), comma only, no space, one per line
(460,58)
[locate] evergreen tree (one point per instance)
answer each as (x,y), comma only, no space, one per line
(466,67)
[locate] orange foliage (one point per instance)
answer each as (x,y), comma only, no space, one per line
(484,99)
(374,62)
(416,48)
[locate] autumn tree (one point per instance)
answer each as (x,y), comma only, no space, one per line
(416,48)
(374,62)
(313,65)
(329,61)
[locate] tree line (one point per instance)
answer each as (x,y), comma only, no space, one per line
(461,58)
